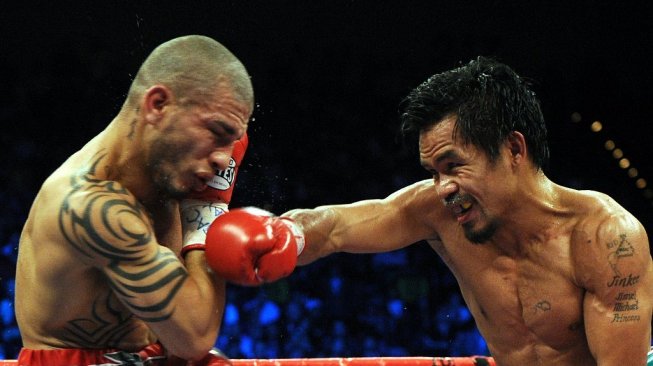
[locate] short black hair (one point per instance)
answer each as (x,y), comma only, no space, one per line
(489,101)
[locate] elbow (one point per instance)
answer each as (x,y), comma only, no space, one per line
(194,350)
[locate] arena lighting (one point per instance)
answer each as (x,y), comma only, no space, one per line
(618,154)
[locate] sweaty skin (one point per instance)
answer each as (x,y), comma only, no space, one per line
(565,277)
(98,262)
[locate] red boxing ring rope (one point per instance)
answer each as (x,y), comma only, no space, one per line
(354,361)
(370,361)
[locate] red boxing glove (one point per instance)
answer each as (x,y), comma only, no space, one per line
(201,208)
(250,246)
(221,187)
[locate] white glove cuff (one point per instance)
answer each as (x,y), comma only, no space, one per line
(297,232)
(196,217)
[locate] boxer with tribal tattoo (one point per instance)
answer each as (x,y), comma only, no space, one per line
(111,269)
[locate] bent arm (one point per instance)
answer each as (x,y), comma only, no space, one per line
(619,298)
(182,305)
(368,226)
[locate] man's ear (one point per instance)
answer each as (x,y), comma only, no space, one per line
(155,99)
(517,146)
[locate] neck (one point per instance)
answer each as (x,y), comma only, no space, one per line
(534,212)
(125,161)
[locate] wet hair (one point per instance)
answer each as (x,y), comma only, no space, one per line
(192,67)
(489,101)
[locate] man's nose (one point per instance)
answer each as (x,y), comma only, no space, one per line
(445,188)
(220,158)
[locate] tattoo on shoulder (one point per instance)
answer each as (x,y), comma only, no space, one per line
(620,248)
(101,218)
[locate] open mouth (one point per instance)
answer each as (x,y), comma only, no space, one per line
(461,209)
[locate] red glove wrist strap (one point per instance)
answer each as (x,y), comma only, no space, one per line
(188,248)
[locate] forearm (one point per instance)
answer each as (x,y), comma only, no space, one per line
(198,311)
(317,225)
(368,226)
(210,291)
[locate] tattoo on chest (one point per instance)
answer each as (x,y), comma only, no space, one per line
(106,325)
(543,306)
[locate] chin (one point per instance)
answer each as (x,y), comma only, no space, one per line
(480,235)
(179,191)
(168,189)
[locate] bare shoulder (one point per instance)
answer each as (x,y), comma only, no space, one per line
(99,218)
(607,239)
(419,202)
(419,196)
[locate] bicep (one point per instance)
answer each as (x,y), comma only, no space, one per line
(618,302)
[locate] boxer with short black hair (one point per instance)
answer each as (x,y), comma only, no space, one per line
(552,275)
(110,267)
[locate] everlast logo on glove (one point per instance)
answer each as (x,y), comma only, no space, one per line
(223,179)
(221,186)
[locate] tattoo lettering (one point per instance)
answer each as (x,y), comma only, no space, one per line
(625,302)
(623,249)
(543,305)
(618,318)
(624,281)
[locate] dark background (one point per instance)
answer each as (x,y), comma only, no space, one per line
(328,79)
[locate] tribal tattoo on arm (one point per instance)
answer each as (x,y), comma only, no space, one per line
(110,228)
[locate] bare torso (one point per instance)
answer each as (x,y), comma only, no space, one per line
(527,304)
(62,300)
(528,309)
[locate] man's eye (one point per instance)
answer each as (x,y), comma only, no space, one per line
(451,166)
(220,138)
